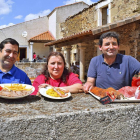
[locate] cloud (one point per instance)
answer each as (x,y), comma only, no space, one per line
(18,17)
(4,26)
(41,14)
(5,6)
(89,2)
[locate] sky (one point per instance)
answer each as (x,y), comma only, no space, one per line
(18,11)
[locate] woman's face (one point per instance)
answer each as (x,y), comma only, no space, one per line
(55,67)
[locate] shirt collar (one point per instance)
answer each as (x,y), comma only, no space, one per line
(11,71)
(118,59)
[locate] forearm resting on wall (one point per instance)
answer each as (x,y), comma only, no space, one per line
(76,88)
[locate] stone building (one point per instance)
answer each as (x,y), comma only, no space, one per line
(32,34)
(81,31)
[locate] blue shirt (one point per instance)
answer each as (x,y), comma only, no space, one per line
(15,75)
(117,75)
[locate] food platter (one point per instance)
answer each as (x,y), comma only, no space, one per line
(43,92)
(17,97)
(127,100)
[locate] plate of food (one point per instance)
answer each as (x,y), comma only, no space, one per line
(120,95)
(15,91)
(54,93)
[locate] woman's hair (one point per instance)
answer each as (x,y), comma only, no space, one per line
(65,72)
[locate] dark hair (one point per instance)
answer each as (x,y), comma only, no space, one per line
(9,40)
(107,35)
(65,72)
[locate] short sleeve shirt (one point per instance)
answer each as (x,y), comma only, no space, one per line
(117,75)
(15,75)
(72,79)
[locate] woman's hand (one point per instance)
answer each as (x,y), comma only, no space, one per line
(43,85)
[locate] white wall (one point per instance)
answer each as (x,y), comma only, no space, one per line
(40,49)
(32,27)
(99,7)
(64,12)
(52,24)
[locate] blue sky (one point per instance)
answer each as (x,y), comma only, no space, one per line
(17,11)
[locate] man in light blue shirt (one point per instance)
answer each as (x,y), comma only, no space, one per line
(111,69)
(9,73)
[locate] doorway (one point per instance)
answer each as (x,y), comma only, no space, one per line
(22,53)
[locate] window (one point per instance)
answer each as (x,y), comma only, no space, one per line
(104,12)
(104,15)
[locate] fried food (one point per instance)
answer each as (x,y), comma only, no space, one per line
(53,93)
(15,90)
(16,87)
(103,92)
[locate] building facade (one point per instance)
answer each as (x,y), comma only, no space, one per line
(32,34)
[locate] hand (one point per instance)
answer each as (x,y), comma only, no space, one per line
(43,85)
(38,94)
(87,86)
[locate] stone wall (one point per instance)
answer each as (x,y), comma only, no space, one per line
(81,22)
(87,19)
(32,69)
(90,51)
(129,39)
(121,9)
(80,117)
(64,12)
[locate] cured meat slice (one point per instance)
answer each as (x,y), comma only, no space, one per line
(128,91)
(137,93)
(7,93)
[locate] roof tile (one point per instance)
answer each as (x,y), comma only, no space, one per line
(46,36)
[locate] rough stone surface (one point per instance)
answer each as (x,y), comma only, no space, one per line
(32,69)
(80,117)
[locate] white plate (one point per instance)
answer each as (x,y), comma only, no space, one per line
(43,92)
(128,100)
(27,86)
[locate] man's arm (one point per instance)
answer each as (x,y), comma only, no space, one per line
(89,84)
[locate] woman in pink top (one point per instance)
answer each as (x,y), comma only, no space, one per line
(57,75)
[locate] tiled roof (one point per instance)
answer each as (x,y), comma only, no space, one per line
(66,39)
(93,32)
(44,37)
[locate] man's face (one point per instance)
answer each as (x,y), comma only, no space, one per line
(8,55)
(109,47)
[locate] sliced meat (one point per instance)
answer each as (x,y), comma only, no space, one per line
(128,91)
(7,93)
